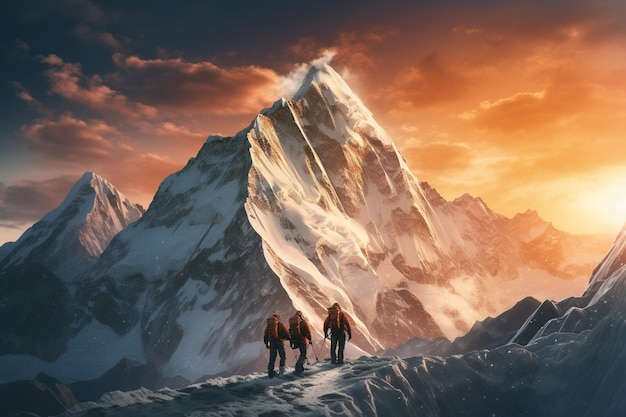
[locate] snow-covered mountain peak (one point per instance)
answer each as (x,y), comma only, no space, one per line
(325,75)
(82,225)
(474,206)
(333,103)
(528,226)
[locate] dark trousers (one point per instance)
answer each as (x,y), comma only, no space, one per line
(337,344)
(276,348)
(300,363)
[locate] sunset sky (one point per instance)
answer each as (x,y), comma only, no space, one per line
(521,103)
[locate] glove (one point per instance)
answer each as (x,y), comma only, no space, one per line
(311,342)
(267,345)
(349,337)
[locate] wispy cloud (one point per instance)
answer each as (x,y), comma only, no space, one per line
(88,35)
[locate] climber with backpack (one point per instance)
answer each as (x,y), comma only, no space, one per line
(300,334)
(274,337)
(336,326)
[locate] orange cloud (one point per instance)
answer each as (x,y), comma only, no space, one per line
(433,158)
(175,132)
(567,96)
(200,86)
(81,146)
(429,83)
(68,81)
(69,139)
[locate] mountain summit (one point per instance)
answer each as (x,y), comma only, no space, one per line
(309,205)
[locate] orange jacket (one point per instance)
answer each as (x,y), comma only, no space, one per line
(343,326)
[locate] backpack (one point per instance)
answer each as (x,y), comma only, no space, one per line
(295,331)
(334,318)
(272,328)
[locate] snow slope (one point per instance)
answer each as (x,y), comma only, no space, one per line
(574,365)
(190,274)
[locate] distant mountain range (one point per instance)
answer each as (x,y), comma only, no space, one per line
(309,205)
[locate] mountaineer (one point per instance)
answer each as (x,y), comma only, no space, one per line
(336,326)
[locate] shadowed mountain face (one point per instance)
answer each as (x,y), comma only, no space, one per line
(38,312)
(309,205)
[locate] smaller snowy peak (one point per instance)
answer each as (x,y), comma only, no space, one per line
(528,216)
(474,206)
(528,226)
(68,239)
(111,212)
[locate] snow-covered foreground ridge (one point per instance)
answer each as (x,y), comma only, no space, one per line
(574,365)
(561,376)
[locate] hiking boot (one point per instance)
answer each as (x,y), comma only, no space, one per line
(271,373)
(282,370)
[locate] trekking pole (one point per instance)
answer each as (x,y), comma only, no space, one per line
(320,349)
